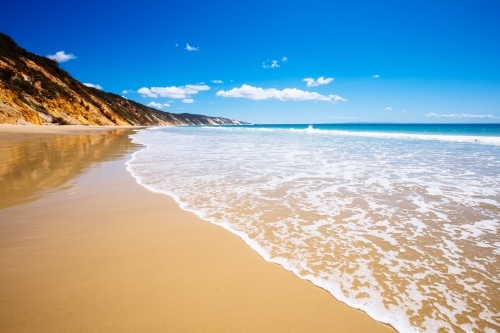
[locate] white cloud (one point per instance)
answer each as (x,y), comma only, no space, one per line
(461,115)
(124,92)
(191,48)
(216,81)
(146,92)
(188,100)
(376,76)
(284,59)
(274,64)
(173,92)
(61,56)
(97,86)
(319,81)
(288,94)
(157,105)
(388,109)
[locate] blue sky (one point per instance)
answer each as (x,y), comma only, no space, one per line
(390,61)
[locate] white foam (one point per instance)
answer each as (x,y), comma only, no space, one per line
(337,206)
(477,139)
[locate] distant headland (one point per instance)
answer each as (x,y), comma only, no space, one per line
(35,90)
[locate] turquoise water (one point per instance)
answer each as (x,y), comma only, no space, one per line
(443,129)
(401,221)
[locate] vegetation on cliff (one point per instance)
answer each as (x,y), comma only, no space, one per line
(35,89)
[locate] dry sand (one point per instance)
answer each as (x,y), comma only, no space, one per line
(99,253)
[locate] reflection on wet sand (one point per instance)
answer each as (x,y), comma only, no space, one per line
(34,163)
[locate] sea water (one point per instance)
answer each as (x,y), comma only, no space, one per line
(400,221)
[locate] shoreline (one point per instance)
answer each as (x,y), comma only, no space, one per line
(102,253)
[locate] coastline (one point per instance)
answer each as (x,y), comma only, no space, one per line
(101,253)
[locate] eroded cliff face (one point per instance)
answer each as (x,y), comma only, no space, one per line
(13,109)
(35,89)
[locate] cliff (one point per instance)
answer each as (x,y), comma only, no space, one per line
(36,90)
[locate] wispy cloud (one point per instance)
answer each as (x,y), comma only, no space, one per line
(97,86)
(188,100)
(273,64)
(61,56)
(191,48)
(376,76)
(461,115)
(284,59)
(124,92)
(320,81)
(173,92)
(157,105)
(388,109)
(288,94)
(216,81)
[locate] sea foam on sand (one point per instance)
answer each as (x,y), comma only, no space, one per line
(384,222)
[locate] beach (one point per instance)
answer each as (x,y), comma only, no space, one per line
(84,248)
(397,220)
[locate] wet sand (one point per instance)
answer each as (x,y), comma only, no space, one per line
(84,248)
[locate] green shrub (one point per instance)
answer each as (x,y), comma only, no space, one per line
(24,86)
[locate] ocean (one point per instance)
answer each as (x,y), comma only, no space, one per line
(398,220)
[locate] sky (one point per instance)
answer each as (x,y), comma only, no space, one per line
(278,61)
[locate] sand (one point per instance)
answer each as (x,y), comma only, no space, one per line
(96,252)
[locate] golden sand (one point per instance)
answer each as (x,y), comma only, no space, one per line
(83,248)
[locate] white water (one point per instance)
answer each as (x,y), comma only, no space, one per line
(404,227)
